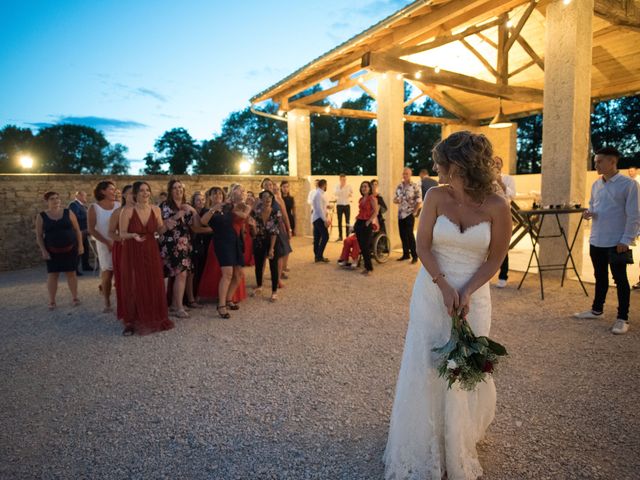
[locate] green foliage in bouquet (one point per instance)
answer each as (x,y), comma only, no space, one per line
(467,359)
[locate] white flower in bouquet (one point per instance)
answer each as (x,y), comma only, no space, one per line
(452,365)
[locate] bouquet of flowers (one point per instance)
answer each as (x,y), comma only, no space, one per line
(466,358)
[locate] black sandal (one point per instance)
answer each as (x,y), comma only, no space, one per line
(225,314)
(128,331)
(233,306)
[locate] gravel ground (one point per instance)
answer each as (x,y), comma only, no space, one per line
(301,389)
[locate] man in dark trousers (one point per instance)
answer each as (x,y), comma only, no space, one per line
(320,222)
(79,208)
(409,201)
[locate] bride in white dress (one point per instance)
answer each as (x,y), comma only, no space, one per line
(463,236)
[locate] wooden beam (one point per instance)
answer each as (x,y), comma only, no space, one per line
(382,63)
(523,19)
(503,53)
(367,90)
(367,115)
(346,71)
(488,40)
(479,56)
(447,102)
(490,9)
(530,51)
(442,40)
(522,68)
(625,13)
(344,84)
(414,99)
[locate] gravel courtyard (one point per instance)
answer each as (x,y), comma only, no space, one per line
(300,389)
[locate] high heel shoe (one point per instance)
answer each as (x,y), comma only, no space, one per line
(232,305)
(224,314)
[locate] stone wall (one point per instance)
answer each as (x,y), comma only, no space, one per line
(21,200)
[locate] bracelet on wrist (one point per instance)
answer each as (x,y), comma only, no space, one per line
(437,277)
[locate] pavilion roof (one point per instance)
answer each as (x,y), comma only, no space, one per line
(465,54)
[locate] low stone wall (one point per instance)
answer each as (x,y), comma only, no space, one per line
(21,200)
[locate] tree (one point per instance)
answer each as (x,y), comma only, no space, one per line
(116,162)
(71,149)
(216,158)
(178,149)
(529,144)
(153,166)
(14,141)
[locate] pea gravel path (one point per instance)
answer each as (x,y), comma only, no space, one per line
(301,389)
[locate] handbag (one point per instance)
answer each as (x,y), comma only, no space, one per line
(622,258)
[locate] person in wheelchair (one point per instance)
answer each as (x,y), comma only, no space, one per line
(350,256)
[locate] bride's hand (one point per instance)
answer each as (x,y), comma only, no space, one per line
(463,307)
(450,297)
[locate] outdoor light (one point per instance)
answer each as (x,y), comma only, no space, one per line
(399,76)
(500,120)
(566,2)
(509,24)
(280,112)
(327,109)
(244,167)
(26,161)
(361,80)
(436,69)
(418,74)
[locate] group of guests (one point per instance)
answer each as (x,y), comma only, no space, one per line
(165,259)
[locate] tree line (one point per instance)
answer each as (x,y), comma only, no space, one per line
(338,145)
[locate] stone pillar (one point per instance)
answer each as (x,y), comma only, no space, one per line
(566,120)
(390,146)
(299,136)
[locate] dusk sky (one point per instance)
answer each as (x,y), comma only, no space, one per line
(135,69)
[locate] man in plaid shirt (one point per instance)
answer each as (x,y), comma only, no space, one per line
(409,199)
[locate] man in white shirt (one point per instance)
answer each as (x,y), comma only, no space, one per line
(633,174)
(343,193)
(320,222)
(507,188)
(615,211)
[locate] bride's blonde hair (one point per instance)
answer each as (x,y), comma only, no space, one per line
(472,154)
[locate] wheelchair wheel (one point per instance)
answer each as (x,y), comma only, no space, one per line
(381,248)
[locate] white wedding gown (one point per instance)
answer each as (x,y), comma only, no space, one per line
(435,430)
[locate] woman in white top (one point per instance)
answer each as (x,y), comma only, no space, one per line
(98,223)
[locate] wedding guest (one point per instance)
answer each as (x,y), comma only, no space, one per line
(615,211)
(227,221)
(426,182)
(265,241)
(320,222)
(116,249)
(285,227)
(249,260)
(79,208)
(208,287)
(98,223)
(200,238)
(162,197)
(633,174)
(118,195)
(60,240)
(145,298)
(350,250)
(409,200)
(343,194)
(175,243)
(289,202)
(367,215)
(506,188)
(382,206)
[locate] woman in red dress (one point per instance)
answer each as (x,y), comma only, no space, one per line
(116,249)
(141,272)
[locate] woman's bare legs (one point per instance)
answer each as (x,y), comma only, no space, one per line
(52,287)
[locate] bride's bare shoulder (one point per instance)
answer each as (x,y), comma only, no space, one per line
(441,191)
(497,204)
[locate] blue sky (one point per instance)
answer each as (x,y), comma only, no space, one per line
(137,68)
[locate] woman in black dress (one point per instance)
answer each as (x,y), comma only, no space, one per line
(60,240)
(200,238)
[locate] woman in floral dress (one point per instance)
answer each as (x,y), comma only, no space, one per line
(175,244)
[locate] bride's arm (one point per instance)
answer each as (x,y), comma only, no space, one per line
(424,241)
(498,248)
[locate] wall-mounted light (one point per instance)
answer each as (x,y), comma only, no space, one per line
(26,161)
